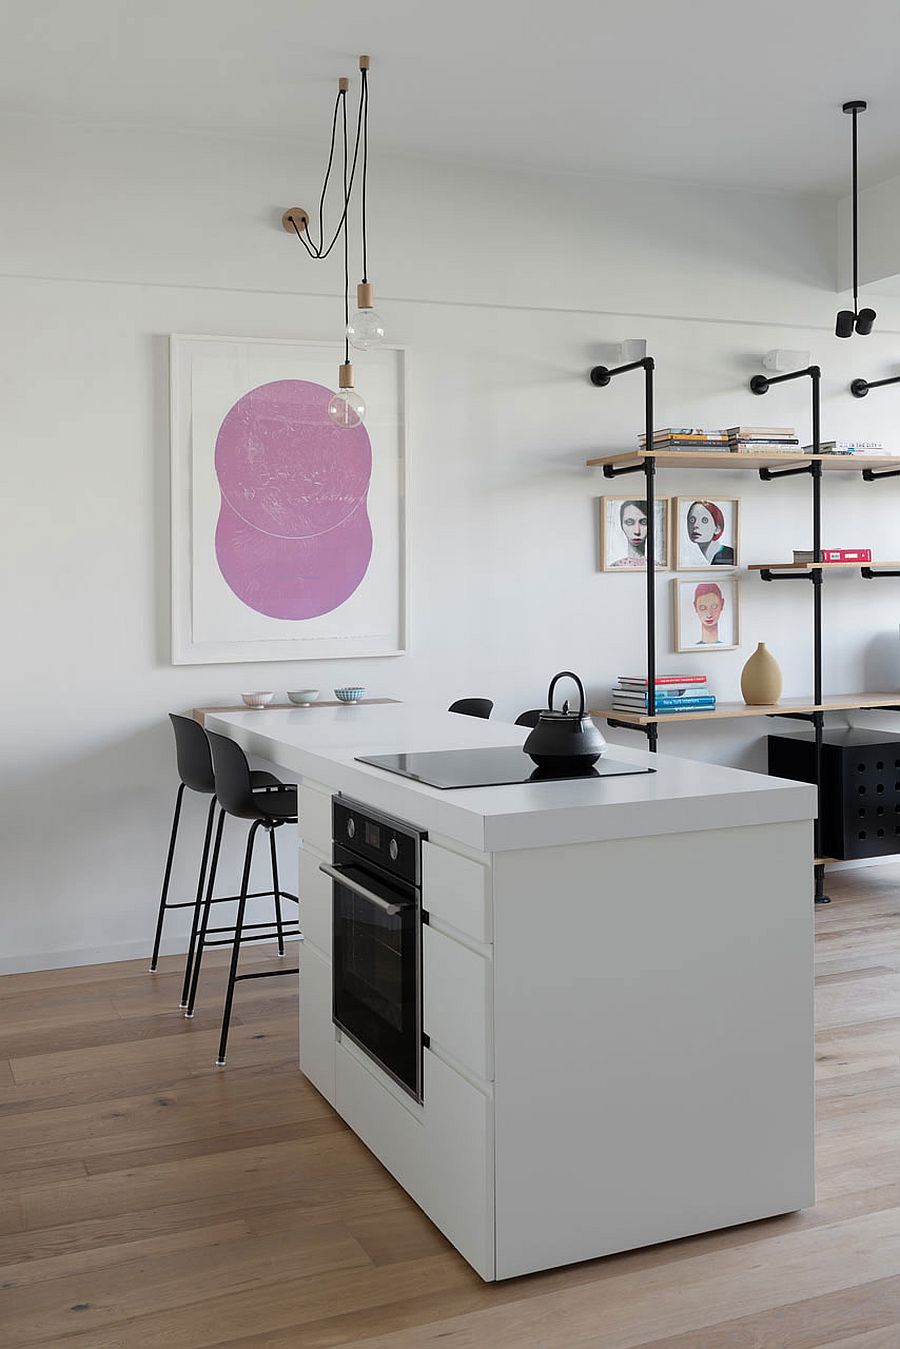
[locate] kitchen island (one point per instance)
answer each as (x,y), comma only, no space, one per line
(616,989)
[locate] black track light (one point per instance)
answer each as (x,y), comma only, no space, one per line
(844,325)
(860,320)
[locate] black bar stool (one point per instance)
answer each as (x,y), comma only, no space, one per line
(473,707)
(267,810)
(529,718)
(195,770)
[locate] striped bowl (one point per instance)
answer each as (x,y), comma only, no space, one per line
(351,693)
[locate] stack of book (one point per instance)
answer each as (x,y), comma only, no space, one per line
(861,555)
(686,438)
(674,694)
(762,439)
(873,447)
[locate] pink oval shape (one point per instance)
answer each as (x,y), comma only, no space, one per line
(293,578)
(284,468)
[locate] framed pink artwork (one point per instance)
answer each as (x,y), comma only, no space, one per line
(288,532)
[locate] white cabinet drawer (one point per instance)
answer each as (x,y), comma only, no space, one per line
(457,891)
(315,818)
(458,1018)
(442,1154)
(315,902)
(317,1040)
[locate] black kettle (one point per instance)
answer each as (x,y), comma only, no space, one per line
(565,742)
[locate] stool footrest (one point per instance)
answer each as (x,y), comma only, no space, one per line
(264,974)
(250,927)
(224,899)
(256,936)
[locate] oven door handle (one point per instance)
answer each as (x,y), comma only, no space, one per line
(338,875)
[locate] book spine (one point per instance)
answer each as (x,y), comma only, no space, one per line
(836,555)
(846,554)
(662,679)
(664,704)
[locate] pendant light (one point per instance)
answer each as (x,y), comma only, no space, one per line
(366,328)
(859,319)
(347,407)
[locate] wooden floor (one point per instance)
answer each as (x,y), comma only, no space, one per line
(151,1200)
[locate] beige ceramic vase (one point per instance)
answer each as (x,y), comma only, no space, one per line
(761,681)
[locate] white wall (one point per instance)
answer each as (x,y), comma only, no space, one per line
(506,290)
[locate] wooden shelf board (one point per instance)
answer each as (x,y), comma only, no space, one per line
(732,460)
(838,703)
(201,713)
(824,861)
(821,566)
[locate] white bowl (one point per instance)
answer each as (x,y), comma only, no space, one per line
(257,699)
(303,697)
(350,693)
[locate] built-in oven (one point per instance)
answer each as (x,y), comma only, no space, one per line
(376,871)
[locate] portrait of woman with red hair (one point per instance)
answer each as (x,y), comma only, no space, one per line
(707,533)
(706,615)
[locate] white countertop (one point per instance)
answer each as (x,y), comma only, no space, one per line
(320,743)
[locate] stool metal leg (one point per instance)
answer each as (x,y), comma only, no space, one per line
(198,903)
(204,921)
(165,885)
(236,947)
(276,892)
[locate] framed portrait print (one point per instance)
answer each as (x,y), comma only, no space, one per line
(707,614)
(707,532)
(288,531)
(623,534)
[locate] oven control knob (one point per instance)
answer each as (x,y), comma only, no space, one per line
(351,826)
(394,849)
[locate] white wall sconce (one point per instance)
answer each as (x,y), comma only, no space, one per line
(782,359)
(634,349)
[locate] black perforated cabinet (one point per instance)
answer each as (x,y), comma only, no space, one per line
(860,787)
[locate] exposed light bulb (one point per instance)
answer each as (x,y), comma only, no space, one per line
(365,329)
(347,409)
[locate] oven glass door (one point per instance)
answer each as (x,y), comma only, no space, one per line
(377,969)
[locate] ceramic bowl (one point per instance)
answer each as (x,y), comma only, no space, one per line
(351,693)
(257,699)
(303,697)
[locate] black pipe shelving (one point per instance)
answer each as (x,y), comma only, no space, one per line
(770,468)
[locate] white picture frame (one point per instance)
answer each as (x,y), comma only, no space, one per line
(619,539)
(707,613)
(330,583)
(706,533)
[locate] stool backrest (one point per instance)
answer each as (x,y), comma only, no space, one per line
(472,707)
(192,754)
(530,718)
(234,786)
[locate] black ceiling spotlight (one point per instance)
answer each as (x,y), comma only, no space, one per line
(860,319)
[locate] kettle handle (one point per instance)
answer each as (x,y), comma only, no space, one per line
(565,674)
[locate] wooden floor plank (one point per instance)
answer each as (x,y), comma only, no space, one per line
(148,1199)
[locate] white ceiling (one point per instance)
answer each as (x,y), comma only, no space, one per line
(707,91)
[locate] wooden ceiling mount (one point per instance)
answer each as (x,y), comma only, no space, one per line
(295,219)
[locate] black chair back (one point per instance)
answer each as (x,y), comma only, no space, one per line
(472,707)
(530,718)
(192,754)
(233,783)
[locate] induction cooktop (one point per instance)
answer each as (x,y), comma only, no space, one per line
(489,767)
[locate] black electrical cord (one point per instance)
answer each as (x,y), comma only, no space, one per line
(364,103)
(337,102)
(317,251)
(346,238)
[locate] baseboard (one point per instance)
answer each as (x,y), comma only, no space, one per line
(855,863)
(89,955)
